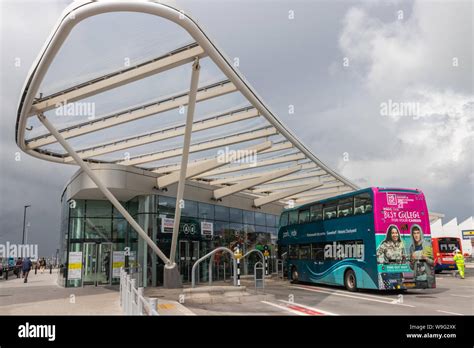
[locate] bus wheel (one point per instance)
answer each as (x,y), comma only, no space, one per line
(294,275)
(350,280)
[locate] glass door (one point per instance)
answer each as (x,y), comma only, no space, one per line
(104,264)
(97,264)
(89,263)
(184,260)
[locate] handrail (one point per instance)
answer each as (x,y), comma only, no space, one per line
(258,251)
(193,275)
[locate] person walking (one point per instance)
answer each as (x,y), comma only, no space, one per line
(42,265)
(459,259)
(18,266)
(27,265)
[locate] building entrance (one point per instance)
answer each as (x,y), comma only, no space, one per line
(97,264)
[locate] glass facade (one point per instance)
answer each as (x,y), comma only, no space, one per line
(97,230)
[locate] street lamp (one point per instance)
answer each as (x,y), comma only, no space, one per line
(24,220)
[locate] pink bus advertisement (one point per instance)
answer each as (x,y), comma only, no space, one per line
(403,239)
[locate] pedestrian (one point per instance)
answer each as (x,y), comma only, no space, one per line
(18,266)
(27,265)
(42,265)
(459,259)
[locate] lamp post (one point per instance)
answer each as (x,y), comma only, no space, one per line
(24,220)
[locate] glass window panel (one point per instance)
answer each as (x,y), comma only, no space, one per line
(76,228)
(236,215)
(206,211)
(76,207)
(293,217)
(260,219)
(119,228)
(271,220)
(303,216)
(98,228)
(166,205)
(293,251)
(190,209)
(344,208)
(305,252)
(284,219)
(316,212)
(330,210)
(362,204)
(221,213)
(98,208)
(317,252)
(249,217)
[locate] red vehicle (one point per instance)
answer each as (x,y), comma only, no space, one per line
(443,250)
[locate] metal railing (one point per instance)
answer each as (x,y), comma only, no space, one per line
(193,270)
(132,300)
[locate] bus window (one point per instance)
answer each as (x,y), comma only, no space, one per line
(284,219)
(317,252)
(362,204)
(316,212)
(293,217)
(330,210)
(303,216)
(344,208)
(448,245)
(305,252)
(293,251)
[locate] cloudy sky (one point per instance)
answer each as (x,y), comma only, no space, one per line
(341,64)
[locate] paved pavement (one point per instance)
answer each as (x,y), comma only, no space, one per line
(42,296)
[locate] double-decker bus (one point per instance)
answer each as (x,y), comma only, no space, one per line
(443,251)
(374,238)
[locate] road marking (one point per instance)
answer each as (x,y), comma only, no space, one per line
(466,296)
(317,310)
(285,308)
(449,312)
(392,301)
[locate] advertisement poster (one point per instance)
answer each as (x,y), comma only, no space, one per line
(207,229)
(75,265)
(118,262)
(167,225)
(403,240)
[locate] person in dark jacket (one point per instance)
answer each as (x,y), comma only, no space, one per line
(17,269)
(27,264)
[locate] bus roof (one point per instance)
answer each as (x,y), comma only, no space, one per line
(353,193)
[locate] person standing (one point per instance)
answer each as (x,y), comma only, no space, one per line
(27,264)
(459,259)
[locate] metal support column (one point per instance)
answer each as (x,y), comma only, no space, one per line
(102,187)
(171,276)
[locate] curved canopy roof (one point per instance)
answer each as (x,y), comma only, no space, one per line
(114,78)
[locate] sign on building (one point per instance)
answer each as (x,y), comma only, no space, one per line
(467,234)
(207,228)
(167,225)
(117,263)
(74,268)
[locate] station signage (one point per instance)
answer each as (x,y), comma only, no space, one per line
(207,228)
(118,261)
(167,225)
(74,270)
